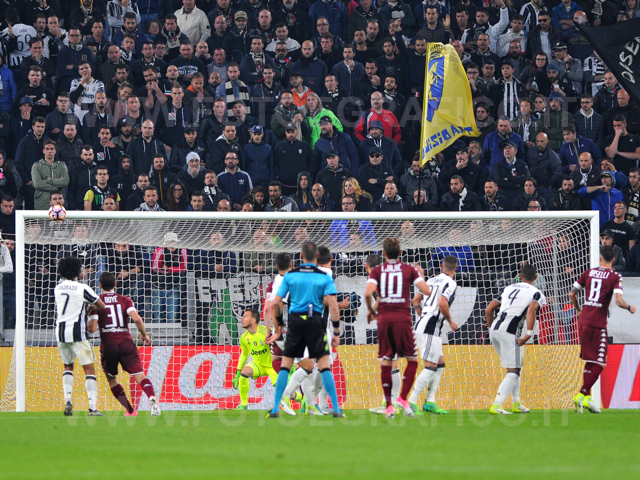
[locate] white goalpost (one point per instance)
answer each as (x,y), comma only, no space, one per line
(192,275)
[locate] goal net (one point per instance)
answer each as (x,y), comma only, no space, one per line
(192,276)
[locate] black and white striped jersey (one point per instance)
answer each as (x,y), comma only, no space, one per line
(431,320)
(71,307)
(514,303)
(22,34)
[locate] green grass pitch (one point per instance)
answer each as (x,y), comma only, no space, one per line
(228,444)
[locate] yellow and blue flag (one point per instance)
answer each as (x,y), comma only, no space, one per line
(448,105)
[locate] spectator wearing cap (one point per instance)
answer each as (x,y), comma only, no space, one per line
(385,117)
(510,173)
(291,157)
(607,239)
(333,176)
(21,123)
(624,235)
(243,122)
(508,91)
(254,62)
(287,113)
(470,172)
(126,136)
(377,138)
(569,67)
(238,41)
(188,144)
(603,197)
(550,81)
(557,119)
(192,174)
(374,175)
(562,15)
(41,96)
(332,139)
(257,158)
(493,151)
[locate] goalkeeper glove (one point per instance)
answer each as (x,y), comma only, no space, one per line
(236,379)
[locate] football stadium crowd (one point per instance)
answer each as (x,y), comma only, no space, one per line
(299,105)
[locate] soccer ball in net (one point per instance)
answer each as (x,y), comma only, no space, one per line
(57,213)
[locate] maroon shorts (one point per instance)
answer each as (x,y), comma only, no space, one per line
(593,344)
(396,338)
(125,354)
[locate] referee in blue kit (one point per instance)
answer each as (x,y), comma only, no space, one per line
(309,289)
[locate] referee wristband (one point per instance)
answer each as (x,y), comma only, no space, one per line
(530,332)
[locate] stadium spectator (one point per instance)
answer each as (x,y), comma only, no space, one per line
(192,175)
(161,178)
(415,177)
(545,167)
(79,246)
(565,197)
(623,147)
(291,157)
(40,95)
(492,200)
(70,57)
(243,122)
(254,63)
(316,111)
(257,158)
(374,175)
(390,201)
(531,192)
(492,150)
(556,120)
(332,139)
(7,216)
(377,138)
(624,235)
(605,99)
(574,145)
(278,202)
(624,107)
(48,175)
(310,68)
(471,172)
(287,114)
(333,175)
(144,148)
(168,267)
(60,117)
(302,195)
(607,240)
(622,181)
(459,198)
(137,196)
(69,146)
(233,181)
(377,113)
(225,144)
(511,173)
(589,123)
(95,198)
(319,201)
(345,233)
(364,201)
(177,197)
(150,203)
(234,88)
(603,197)
(212,194)
(526,124)
(124,181)
(349,73)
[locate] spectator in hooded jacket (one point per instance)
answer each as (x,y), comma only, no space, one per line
(161,178)
(302,195)
(390,200)
(603,197)
(333,176)
(257,158)
(574,145)
(332,139)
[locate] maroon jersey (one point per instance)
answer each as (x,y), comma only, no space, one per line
(113,320)
(394,280)
(600,284)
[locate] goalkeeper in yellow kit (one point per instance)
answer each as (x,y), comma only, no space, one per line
(253,342)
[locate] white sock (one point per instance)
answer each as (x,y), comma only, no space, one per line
(294,382)
(516,391)
(308,389)
(421,383)
(396,382)
(433,384)
(506,387)
(319,392)
(67,385)
(92,391)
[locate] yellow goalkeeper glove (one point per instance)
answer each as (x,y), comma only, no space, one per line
(236,379)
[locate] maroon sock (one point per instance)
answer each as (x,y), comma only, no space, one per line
(591,373)
(276,365)
(408,378)
(118,392)
(147,387)
(386,383)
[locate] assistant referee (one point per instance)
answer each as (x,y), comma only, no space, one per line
(309,289)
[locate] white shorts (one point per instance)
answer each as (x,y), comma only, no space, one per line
(511,354)
(83,350)
(306,355)
(430,347)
